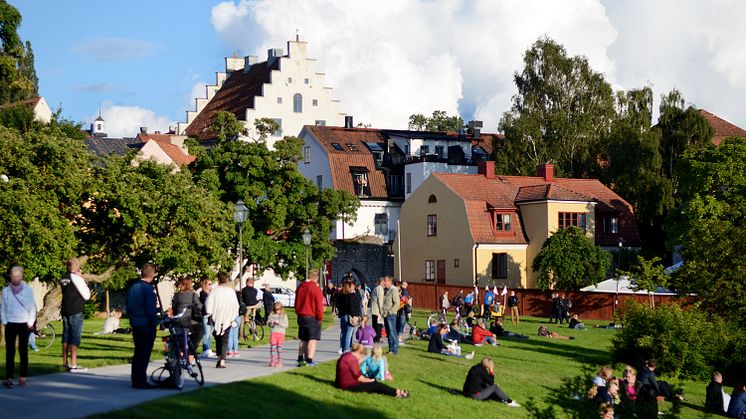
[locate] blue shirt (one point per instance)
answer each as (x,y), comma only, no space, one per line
(374,368)
(141,307)
(737,405)
(489,298)
(469,298)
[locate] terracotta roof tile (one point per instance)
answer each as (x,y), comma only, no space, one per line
(548,191)
(723,128)
(157,137)
(175,153)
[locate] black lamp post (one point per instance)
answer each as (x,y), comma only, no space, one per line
(307,242)
(620,243)
(240,213)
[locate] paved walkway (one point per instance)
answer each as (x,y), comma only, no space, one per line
(101,390)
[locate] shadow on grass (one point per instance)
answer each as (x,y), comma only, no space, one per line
(264,400)
(448,390)
(563,349)
(313,378)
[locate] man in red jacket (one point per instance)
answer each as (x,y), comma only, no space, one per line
(309,307)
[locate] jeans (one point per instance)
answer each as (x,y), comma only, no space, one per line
(144,337)
(393,338)
(401,322)
(72,329)
(32,341)
(377,328)
(345,336)
(207,338)
(233,336)
(491,392)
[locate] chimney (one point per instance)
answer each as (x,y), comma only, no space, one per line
(349,122)
(486,168)
(157,132)
(273,54)
(545,171)
(475,129)
(248,61)
(143,130)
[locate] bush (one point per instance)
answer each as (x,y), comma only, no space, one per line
(686,344)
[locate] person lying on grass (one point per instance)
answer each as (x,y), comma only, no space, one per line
(350,378)
(455,335)
(480,335)
(437,346)
(480,384)
(544,332)
(376,366)
(497,328)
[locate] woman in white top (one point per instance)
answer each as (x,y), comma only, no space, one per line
(222,306)
(18,317)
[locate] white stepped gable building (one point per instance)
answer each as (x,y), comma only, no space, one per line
(285,87)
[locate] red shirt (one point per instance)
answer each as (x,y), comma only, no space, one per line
(309,300)
(479,333)
(348,371)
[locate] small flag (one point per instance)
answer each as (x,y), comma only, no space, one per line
(504,291)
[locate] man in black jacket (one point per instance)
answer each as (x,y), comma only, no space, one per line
(647,379)
(250,298)
(268,300)
(480,384)
(513,306)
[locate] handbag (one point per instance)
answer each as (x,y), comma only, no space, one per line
(196,310)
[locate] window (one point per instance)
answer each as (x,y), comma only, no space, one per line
(278,131)
(424,150)
(429,270)
(395,184)
(306,154)
(337,146)
(502,222)
(406,149)
(319,180)
(98,127)
(381,222)
(297,103)
(611,225)
(499,266)
(360,181)
(432,199)
(279,100)
(572,219)
(290,79)
(432,225)
(315,102)
(352,147)
(306,81)
(456,263)
(320,123)
(440,274)
(440,151)
(409,183)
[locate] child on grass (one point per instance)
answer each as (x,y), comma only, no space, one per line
(365,334)
(375,365)
(278,323)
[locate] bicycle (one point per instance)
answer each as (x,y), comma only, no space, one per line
(252,329)
(45,336)
(438,317)
(178,349)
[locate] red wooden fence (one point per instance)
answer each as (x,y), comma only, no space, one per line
(537,303)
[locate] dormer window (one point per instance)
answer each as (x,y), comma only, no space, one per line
(360,181)
(611,224)
(503,222)
(352,147)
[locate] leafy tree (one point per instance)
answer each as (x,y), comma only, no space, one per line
(20,117)
(569,260)
(648,275)
(562,111)
(225,126)
(17,75)
(710,226)
(439,121)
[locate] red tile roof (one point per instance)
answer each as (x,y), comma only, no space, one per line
(234,96)
(175,153)
(723,128)
(165,138)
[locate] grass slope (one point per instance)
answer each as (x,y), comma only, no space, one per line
(539,373)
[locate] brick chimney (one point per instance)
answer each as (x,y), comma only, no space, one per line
(545,171)
(486,168)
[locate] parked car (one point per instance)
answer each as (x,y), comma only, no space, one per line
(284,295)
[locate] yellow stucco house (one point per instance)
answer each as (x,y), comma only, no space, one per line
(456,229)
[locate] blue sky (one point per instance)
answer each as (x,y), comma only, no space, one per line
(143,61)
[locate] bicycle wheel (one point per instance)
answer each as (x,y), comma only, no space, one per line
(434,318)
(175,366)
(195,371)
(45,337)
(258,331)
(463,325)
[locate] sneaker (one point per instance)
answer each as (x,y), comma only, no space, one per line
(470,355)
(311,364)
(301,363)
(272,363)
(78,368)
(513,403)
(236,354)
(478,344)
(278,364)
(340,351)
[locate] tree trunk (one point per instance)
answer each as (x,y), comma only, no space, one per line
(108,305)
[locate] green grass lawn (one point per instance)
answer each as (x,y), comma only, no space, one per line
(541,374)
(102,350)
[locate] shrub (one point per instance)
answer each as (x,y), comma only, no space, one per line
(687,343)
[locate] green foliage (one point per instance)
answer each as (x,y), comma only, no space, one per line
(18,79)
(265,127)
(710,226)
(562,111)
(225,126)
(439,121)
(648,274)
(569,260)
(19,117)
(685,343)
(282,203)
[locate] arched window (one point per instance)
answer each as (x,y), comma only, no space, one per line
(297,103)
(432,199)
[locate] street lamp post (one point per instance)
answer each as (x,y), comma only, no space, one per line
(240,213)
(307,242)
(616,271)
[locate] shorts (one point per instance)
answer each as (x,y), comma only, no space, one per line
(309,328)
(276,338)
(72,329)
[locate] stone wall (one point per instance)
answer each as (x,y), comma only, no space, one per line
(367,262)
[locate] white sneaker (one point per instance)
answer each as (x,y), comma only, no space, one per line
(340,351)
(478,344)
(513,403)
(78,368)
(470,355)
(208,354)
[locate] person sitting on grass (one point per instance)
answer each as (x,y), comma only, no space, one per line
(455,335)
(716,399)
(480,384)
(350,378)
(599,391)
(628,388)
(575,323)
(497,328)
(661,389)
(437,346)
(606,411)
(480,335)
(376,366)
(544,332)
(737,406)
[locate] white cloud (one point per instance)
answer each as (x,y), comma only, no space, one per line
(94,88)
(125,121)
(109,49)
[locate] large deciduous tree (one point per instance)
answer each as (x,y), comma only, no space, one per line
(18,79)
(439,121)
(562,111)
(569,260)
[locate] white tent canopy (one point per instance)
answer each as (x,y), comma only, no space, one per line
(622,285)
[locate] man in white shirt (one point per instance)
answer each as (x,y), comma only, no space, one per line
(75,293)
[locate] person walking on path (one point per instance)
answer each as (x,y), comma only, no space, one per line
(143,314)
(18,317)
(309,307)
(222,305)
(348,310)
(388,310)
(75,293)
(376,307)
(278,323)
(513,306)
